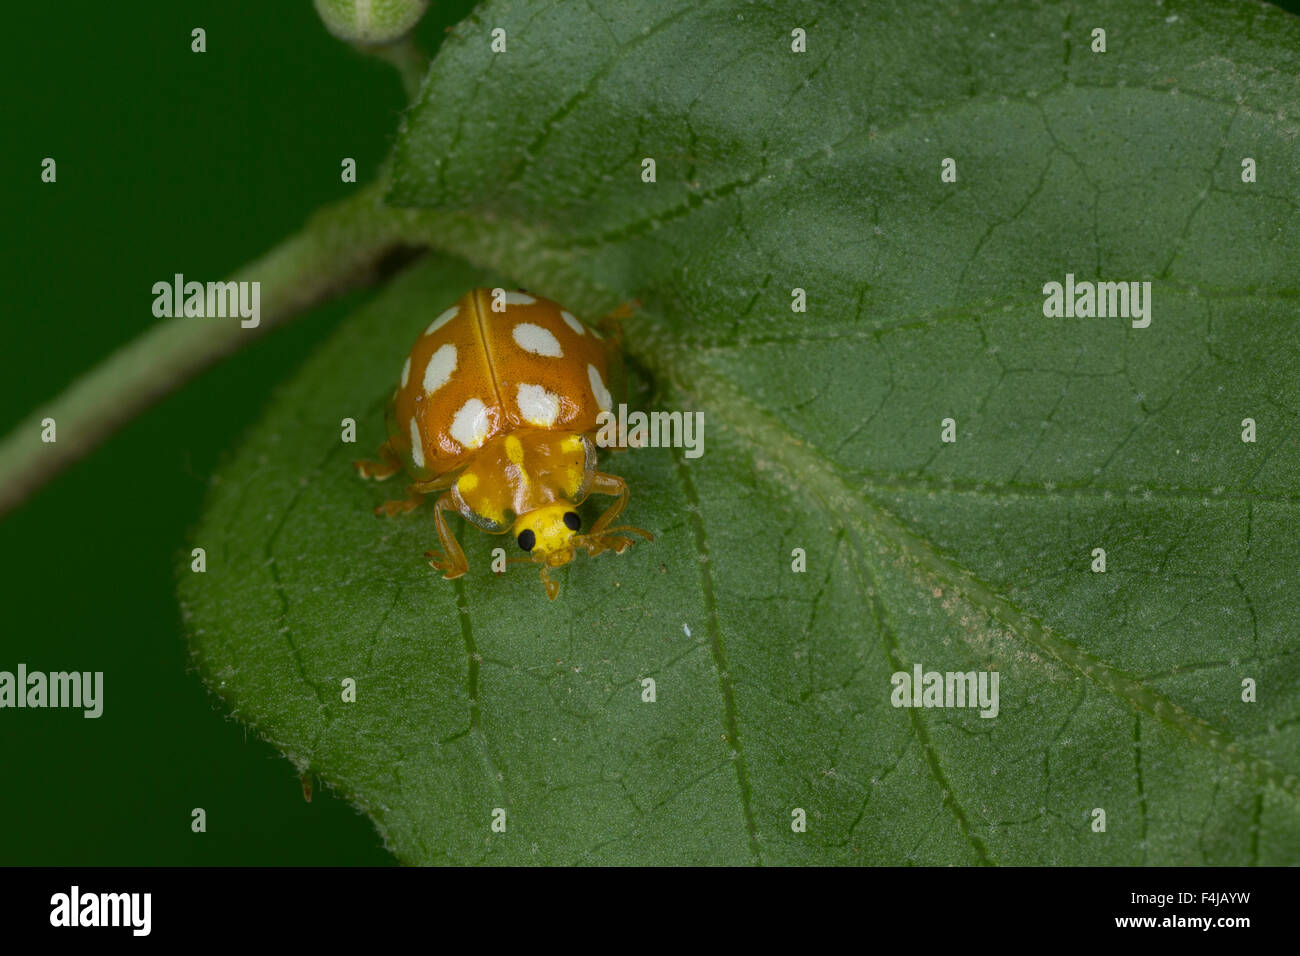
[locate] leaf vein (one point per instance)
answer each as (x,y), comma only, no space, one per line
(731,720)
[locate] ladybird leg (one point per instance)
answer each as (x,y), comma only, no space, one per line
(626,310)
(620,537)
(611,325)
(379,470)
(415,495)
(452,559)
(618,543)
(604,484)
(602,537)
(392,508)
(441,483)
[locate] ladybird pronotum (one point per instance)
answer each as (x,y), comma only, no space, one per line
(497,412)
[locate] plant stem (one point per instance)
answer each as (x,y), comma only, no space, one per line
(408,58)
(343,246)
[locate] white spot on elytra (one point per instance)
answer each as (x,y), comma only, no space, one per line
(406,371)
(538,406)
(535,339)
(598,389)
(572,322)
(441,364)
(442,320)
(470,426)
(686,629)
(519,298)
(417,448)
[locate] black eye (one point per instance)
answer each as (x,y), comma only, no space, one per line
(527,539)
(572,521)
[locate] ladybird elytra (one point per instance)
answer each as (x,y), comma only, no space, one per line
(496,412)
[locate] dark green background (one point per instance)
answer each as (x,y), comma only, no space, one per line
(168,161)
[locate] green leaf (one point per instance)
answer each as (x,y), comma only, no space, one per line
(775,170)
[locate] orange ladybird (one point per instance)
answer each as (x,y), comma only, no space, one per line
(496,410)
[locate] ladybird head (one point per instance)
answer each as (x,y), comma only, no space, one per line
(547,533)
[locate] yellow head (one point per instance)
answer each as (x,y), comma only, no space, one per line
(547,533)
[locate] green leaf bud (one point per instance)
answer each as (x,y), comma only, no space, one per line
(371,22)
